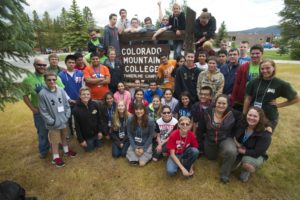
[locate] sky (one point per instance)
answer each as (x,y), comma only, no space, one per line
(237,14)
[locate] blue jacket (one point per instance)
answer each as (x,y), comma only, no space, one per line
(72,83)
(149,94)
(229,72)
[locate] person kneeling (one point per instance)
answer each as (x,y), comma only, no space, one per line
(183,148)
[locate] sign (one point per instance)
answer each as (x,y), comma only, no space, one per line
(141,61)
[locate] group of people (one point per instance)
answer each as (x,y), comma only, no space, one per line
(192,109)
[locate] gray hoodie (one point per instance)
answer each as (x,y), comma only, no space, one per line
(54,108)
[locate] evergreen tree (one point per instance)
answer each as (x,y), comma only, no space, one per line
(290,26)
(47,26)
(16,42)
(38,30)
(222,34)
(75,35)
(88,17)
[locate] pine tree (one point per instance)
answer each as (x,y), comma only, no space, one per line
(75,35)
(222,34)
(290,26)
(88,17)
(38,30)
(16,42)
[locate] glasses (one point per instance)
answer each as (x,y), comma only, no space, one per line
(166,113)
(49,80)
(40,65)
(184,124)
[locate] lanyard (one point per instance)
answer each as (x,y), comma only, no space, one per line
(264,91)
(246,136)
(95,71)
(110,112)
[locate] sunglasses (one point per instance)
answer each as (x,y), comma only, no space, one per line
(49,80)
(165,113)
(184,124)
(41,65)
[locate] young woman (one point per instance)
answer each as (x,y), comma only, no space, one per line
(138,98)
(87,121)
(253,142)
(184,107)
(119,130)
(166,124)
(262,92)
(168,99)
(107,110)
(122,95)
(183,148)
(154,108)
(218,126)
(140,129)
(211,77)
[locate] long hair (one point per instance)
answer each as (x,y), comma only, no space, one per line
(185,94)
(105,97)
(158,111)
(144,123)
(116,124)
(273,64)
(263,121)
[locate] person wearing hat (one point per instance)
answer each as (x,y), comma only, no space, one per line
(100,50)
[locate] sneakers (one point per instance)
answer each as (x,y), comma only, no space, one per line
(71,153)
(134,162)
(244,176)
(224,179)
(58,162)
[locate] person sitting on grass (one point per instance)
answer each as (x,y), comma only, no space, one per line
(107,109)
(253,142)
(140,129)
(119,130)
(138,98)
(165,125)
(183,149)
(122,95)
(55,110)
(154,108)
(87,121)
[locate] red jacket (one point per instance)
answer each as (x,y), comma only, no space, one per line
(239,87)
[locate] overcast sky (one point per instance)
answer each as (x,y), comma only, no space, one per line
(237,14)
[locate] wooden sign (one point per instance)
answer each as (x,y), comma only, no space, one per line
(141,61)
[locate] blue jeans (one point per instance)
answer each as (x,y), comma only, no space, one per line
(117,151)
(187,158)
(93,143)
(177,45)
(42,132)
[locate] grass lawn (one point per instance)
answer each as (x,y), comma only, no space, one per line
(97,175)
(273,55)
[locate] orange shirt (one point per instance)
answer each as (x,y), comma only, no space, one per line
(97,91)
(164,71)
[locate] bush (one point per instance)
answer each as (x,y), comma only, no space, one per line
(295,50)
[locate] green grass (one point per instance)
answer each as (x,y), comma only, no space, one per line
(273,55)
(62,57)
(97,175)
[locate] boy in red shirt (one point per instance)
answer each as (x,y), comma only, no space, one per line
(183,149)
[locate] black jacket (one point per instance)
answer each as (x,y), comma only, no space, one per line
(116,74)
(178,23)
(105,115)
(87,120)
(230,126)
(91,46)
(116,136)
(257,144)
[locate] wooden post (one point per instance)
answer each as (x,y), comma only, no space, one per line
(189,30)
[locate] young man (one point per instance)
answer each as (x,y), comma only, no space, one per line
(149,27)
(153,90)
(229,70)
(223,45)
(134,26)
(165,70)
(111,35)
(94,40)
(123,23)
(183,149)
(247,72)
(244,46)
(73,80)
(198,109)
(79,62)
(101,52)
(186,78)
(202,61)
(55,110)
(222,58)
(97,78)
(53,64)
(35,83)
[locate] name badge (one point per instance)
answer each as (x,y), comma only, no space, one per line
(121,135)
(109,123)
(60,109)
(258,104)
(138,139)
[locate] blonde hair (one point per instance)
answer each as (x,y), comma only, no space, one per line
(184,118)
(207,45)
(116,124)
(84,88)
(176,5)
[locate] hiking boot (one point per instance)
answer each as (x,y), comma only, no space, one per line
(244,176)
(58,162)
(71,153)
(134,162)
